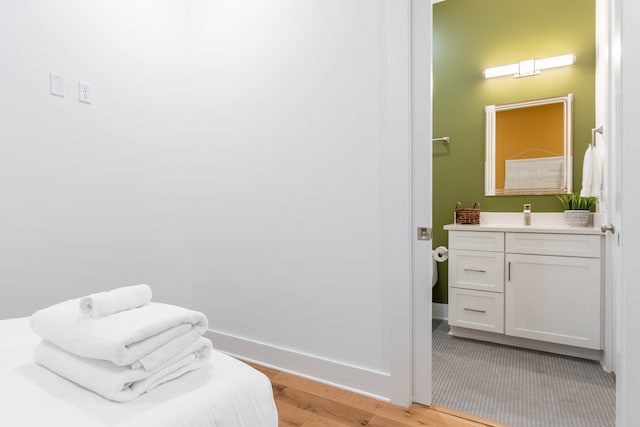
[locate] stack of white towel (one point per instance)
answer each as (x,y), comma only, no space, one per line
(119,344)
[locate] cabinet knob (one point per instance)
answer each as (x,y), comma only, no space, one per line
(608,227)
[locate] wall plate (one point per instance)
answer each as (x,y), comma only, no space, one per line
(84,92)
(56,84)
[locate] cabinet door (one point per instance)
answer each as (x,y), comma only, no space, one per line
(554,299)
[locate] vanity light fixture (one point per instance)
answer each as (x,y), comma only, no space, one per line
(529,67)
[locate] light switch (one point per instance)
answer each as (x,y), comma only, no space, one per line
(56,84)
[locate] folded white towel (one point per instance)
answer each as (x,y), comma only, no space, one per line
(118,383)
(104,303)
(144,337)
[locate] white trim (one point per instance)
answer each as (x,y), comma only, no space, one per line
(356,379)
(395,192)
(440,311)
(421,201)
(607,147)
(625,68)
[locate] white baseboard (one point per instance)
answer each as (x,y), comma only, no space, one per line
(440,311)
(352,378)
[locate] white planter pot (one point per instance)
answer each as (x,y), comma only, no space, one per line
(577,218)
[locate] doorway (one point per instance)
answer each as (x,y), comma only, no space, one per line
(600,4)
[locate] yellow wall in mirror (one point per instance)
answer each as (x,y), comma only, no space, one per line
(527,133)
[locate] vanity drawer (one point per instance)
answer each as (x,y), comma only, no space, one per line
(477,240)
(483,271)
(578,245)
(476,310)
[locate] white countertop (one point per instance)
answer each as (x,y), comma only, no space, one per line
(541,222)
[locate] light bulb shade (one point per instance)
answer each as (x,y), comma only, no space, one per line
(555,61)
(529,67)
(503,70)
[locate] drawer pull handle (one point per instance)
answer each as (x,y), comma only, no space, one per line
(475,310)
(475,269)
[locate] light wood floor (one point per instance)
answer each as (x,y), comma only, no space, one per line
(305,403)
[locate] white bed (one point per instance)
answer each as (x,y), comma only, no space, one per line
(226,393)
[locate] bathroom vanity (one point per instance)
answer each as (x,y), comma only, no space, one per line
(538,286)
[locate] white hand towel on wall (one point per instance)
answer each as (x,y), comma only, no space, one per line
(105,303)
(144,337)
(117,383)
(591,173)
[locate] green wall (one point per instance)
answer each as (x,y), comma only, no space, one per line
(471,35)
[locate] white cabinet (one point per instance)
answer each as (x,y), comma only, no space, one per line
(476,280)
(476,310)
(554,297)
(526,287)
(479,270)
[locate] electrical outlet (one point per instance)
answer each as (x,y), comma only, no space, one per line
(84,92)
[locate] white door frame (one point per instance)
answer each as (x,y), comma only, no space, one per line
(407,112)
(421,196)
(607,145)
(626,92)
(609,113)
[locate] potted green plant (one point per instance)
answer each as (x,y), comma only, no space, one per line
(577,209)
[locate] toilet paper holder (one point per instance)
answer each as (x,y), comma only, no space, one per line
(441,254)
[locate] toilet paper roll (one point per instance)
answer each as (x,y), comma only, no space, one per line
(441,254)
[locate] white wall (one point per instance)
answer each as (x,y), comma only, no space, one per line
(92,195)
(303,180)
(246,158)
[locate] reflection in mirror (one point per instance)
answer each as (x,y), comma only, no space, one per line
(528,147)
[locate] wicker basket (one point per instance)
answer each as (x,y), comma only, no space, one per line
(467,216)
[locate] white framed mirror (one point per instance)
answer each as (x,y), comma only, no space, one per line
(528,147)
